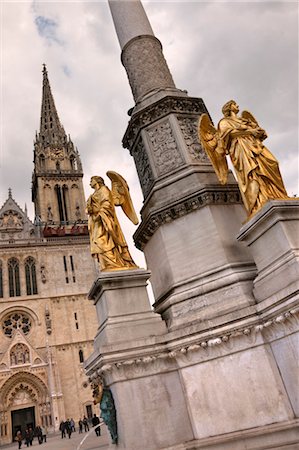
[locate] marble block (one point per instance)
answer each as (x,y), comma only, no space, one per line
(272,235)
(123,308)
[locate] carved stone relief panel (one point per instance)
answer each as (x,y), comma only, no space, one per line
(143,167)
(188,127)
(165,152)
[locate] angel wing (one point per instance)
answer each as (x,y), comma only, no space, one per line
(208,137)
(121,195)
(250,117)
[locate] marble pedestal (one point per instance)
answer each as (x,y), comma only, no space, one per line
(272,236)
(123,307)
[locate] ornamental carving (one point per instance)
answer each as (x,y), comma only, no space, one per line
(188,126)
(143,167)
(165,152)
(179,209)
(11,221)
(167,105)
(19,355)
(215,344)
(146,66)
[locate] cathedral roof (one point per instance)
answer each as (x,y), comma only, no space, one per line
(14,222)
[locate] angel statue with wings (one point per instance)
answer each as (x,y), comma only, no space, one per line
(241,138)
(107,241)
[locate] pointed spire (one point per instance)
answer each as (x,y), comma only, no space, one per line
(51,131)
(9,193)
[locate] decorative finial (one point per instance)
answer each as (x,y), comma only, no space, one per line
(9,193)
(26,212)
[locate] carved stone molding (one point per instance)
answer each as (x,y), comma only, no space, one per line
(188,127)
(133,367)
(146,66)
(183,207)
(160,109)
(143,167)
(165,152)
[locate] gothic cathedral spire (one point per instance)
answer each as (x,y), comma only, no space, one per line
(51,130)
(57,189)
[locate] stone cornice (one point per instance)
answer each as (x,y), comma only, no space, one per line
(158,110)
(170,359)
(208,196)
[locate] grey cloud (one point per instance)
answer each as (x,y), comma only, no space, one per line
(47,28)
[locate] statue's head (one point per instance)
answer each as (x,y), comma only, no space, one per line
(226,109)
(96,180)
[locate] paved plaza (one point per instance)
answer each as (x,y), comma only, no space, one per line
(84,441)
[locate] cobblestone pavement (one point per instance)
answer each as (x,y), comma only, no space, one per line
(54,442)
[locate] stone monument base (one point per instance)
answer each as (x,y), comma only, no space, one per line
(272,236)
(123,307)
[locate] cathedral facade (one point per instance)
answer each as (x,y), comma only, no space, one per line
(47,325)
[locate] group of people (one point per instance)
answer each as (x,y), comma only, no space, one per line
(67,427)
(83,423)
(39,432)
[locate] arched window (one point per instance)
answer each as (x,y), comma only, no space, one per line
(30,273)
(14,277)
(73,162)
(42,161)
(61,194)
(81,356)
(1,280)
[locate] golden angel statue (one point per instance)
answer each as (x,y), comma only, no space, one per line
(107,241)
(241,138)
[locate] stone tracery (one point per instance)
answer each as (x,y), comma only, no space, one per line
(16,321)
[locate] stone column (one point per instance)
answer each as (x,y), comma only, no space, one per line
(142,54)
(189,221)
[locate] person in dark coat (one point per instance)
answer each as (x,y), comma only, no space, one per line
(95,421)
(85,423)
(38,433)
(68,428)
(80,426)
(62,429)
(31,436)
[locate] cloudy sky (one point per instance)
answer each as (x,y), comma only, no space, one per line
(247,51)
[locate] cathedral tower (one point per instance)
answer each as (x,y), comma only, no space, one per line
(57,189)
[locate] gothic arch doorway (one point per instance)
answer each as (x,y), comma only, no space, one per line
(24,401)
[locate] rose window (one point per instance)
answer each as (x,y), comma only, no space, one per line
(16,321)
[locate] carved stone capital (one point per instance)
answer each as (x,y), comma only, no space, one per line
(182,106)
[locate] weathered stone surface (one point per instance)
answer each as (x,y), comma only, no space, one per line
(272,236)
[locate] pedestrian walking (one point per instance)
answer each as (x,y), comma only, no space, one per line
(62,429)
(38,433)
(18,438)
(27,437)
(68,428)
(80,423)
(31,436)
(95,422)
(72,422)
(85,423)
(44,433)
